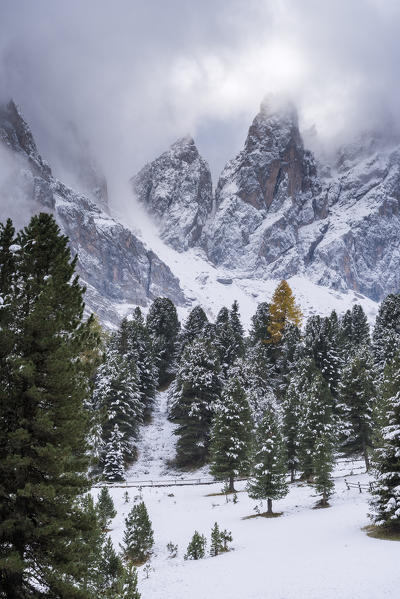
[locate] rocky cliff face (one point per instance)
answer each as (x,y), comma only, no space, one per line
(176,189)
(277,215)
(263,195)
(116,267)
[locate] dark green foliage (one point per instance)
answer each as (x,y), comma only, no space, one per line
(193,397)
(116,395)
(237,330)
(194,327)
(216,544)
(385,503)
(163,326)
(105,508)
(225,340)
(133,342)
(113,469)
(111,569)
(258,375)
(357,397)
(292,406)
(316,420)
(323,466)
(172,549)
(197,547)
(354,330)
(128,584)
(287,358)
(386,334)
(138,537)
(268,479)
(219,540)
(231,434)
(43,423)
(260,323)
(322,344)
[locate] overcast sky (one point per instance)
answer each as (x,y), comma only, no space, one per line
(135,75)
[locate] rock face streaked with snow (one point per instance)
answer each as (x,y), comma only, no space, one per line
(176,189)
(263,196)
(116,267)
(277,215)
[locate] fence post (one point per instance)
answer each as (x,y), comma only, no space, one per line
(359,487)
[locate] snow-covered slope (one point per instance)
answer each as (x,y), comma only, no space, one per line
(304,554)
(213,287)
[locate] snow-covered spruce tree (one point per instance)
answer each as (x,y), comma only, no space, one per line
(360,327)
(258,379)
(134,345)
(43,422)
(322,343)
(105,508)
(113,461)
(231,434)
(268,477)
(292,409)
(197,547)
(286,358)
(237,329)
(216,543)
(193,327)
(116,394)
(163,327)
(385,502)
(260,323)
(138,539)
(193,398)
(357,398)
(386,333)
(225,341)
(323,466)
(282,310)
(316,420)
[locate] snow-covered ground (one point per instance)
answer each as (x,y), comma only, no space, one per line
(304,554)
(156,447)
(201,282)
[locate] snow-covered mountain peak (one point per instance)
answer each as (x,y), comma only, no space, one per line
(176,190)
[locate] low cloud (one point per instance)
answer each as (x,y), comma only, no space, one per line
(133,76)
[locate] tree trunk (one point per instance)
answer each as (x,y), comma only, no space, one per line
(292,475)
(324,500)
(231,488)
(366,457)
(269,504)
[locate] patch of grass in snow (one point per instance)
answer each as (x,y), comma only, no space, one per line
(321,506)
(380,532)
(223,493)
(263,515)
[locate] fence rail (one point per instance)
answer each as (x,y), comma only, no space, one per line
(361,487)
(173,482)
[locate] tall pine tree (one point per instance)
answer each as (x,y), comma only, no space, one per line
(231,435)
(43,423)
(268,478)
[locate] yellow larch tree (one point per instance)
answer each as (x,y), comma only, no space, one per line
(282,310)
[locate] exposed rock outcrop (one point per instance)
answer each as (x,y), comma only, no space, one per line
(176,190)
(117,268)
